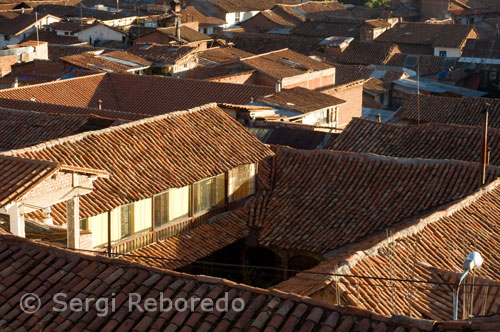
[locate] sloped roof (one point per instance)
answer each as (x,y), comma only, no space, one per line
(19,175)
(284,63)
(159,52)
(264,309)
(430,34)
(323,200)
(232,6)
(179,251)
(223,54)
(368,53)
(326,28)
(17,25)
(350,73)
(429,249)
(301,100)
(115,61)
(428,141)
(138,94)
(488,49)
(429,64)
(26,128)
(192,14)
(182,148)
(187,34)
(463,111)
(28,105)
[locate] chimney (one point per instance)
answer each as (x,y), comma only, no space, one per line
(278,86)
(15,84)
(99,104)
(177,29)
(379,118)
(47,218)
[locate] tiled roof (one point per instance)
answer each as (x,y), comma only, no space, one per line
(26,265)
(284,63)
(223,54)
(53,38)
(19,175)
(208,73)
(68,110)
(160,53)
(295,137)
(301,100)
(489,49)
(58,51)
(374,85)
(327,28)
(193,245)
(232,6)
(350,73)
(377,23)
(70,26)
(429,64)
(107,62)
(201,142)
(26,128)
(141,94)
(464,111)
(431,34)
(192,14)
(433,249)
(258,43)
(322,200)
(428,141)
(368,53)
(18,24)
(187,34)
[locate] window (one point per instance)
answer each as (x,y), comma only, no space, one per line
(209,193)
(126,220)
(179,203)
(161,209)
(243,181)
(83,224)
(66,33)
(237,17)
(442,53)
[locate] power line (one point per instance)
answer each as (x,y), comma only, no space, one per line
(216,264)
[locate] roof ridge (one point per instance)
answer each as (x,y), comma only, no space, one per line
(267,53)
(80,136)
(52,83)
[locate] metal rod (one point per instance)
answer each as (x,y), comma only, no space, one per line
(455,300)
(484,146)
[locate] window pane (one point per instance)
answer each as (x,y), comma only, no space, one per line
(219,190)
(202,195)
(178,203)
(161,209)
(126,213)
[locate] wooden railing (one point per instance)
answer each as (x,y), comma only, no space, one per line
(169,230)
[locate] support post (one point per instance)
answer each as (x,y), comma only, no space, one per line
(73,212)
(484,146)
(16,219)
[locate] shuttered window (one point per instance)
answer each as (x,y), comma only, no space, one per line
(178,203)
(209,193)
(126,219)
(161,209)
(243,181)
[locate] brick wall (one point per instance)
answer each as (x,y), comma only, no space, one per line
(352,93)
(5,64)
(243,78)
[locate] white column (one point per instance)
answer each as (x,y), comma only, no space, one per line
(16,220)
(73,225)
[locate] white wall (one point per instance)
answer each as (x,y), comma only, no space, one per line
(231,18)
(99,32)
(450,52)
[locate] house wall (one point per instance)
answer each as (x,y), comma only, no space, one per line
(125,21)
(243,78)
(99,32)
(450,52)
(6,63)
(231,18)
(182,68)
(352,93)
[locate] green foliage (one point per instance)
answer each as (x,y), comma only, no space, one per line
(377,4)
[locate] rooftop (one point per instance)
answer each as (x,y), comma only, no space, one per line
(136,94)
(301,100)
(427,141)
(218,55)
(159,52)
(368,53)
(109,62)
(203,142)
(284,63)
(463,111)
(187,34)
(430,249)
(95,276)
(322,200)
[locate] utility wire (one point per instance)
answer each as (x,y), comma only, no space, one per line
(283,269)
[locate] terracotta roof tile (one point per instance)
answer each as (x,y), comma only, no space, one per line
(120,92)
(261,306)
(19,175)
(428,141)
(134,175)
(368,53)
(222,54)
(190,14)
(359,195)
(195,244)
(107,62)
(430,249)
(301,100)
(284,63)
(160,53)
(26,128)
(187,34)
(429,64)
(463,111)
(344,27)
